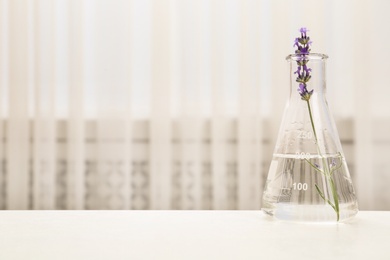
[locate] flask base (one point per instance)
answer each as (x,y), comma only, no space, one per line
(310,213)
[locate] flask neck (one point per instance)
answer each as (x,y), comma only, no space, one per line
(316,65)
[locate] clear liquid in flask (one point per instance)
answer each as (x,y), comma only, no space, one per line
(291,193)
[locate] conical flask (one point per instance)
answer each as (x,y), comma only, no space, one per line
(308,178)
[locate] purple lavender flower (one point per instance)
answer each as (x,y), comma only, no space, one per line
(305,94)
(303,30)
(303,72)
(333,163)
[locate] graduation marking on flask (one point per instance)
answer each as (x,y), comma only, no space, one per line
(305,135)
(302,155)
(300,186)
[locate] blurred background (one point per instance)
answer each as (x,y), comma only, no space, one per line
(176,104)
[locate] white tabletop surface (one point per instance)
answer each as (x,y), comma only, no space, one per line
(187,235)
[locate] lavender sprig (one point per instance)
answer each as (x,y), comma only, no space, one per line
(303,72)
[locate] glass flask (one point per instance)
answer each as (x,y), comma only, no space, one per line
(308,179)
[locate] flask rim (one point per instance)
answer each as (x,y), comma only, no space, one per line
(310,56)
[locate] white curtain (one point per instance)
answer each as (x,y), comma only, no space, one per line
(176,104)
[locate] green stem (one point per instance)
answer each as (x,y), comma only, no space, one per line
(326,171)
(312,124)
(335,197)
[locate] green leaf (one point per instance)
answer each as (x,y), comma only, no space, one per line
(323,197)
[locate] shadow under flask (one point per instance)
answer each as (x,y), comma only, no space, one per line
(308,179)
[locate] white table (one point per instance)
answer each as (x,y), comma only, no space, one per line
(187,235)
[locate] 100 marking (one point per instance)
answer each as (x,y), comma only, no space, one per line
(300,186)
